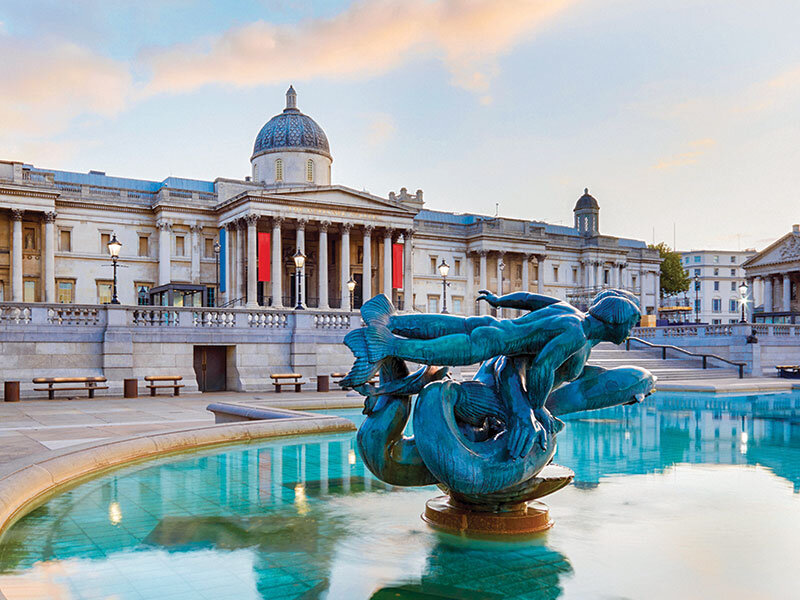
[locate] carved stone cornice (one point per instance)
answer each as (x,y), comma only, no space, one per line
(50,217)
(17,214)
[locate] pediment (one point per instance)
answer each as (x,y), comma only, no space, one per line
(343,198)
(784,250)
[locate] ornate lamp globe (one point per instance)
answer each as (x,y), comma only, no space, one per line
(114,246)
(743,289)
(444,268)
(299,259)
(351,284)
(217,247)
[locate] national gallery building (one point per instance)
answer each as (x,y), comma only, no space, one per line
(233,242)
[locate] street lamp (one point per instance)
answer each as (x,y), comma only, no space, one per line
(299,261)
(502,266)
(351,285)
(444,269)
(743,299)
(217,250)
(114,246)
(696,298)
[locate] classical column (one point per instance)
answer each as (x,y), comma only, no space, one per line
(231,288)
(366,264)
(750,305)
(16,255)
(322,277)
(483,305)
(526,272)
(641,290)
(656,291)
(345,266)
(50,257)
(238,234)
(469,301)
(301,245)
(768,293)
(540,261)
(387,263)
(196,229)
(598,278)
(786,305)
(408,269)
(164,252)
(252,261)
(276,264)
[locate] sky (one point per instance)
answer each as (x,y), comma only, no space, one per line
(680,117)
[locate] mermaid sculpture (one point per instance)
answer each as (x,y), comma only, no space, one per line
(487,442)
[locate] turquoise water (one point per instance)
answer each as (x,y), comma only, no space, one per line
(682,497)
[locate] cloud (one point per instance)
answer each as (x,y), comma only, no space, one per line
(366,39)
(381,129)
(697,149)
(46,84)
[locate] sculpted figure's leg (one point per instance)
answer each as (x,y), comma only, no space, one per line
(600,388)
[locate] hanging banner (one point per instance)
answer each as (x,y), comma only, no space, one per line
(223,259)
(263,255)
(397,266)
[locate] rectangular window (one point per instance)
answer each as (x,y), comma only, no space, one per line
(716,286)
(144,245)
(103,292)
(65,240)
(104,239)
(733,260)
(211,296)
(457,267)
(433,265)
(208,248)
(519,271)
(734,306)
(606,276)
(29,290)
(697,258)
(716,321)
(716,272)
(65,291)
(476,269)
(180,247)
(733,286)
(458,305)
(716,305)
(732,321)
(433,304)
(555,273)
(716,258)
(733,272)
(697,272)
(142,291)
(2,291)
(633,280)
(574,274)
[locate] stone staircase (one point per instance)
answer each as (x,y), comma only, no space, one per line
(675,368)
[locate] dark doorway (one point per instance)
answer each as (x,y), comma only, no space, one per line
(358,293)
(210,368)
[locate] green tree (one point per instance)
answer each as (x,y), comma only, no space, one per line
(674,279)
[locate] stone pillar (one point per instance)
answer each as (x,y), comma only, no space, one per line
(276,264)
(656,291)
(387,263)
(768,293)
(598,277)
(164,252)
(470,287)
(239,277)
(786,304)
(408,269)
(322,278)
(301,245)
(196,229)
(49,257)
(540,273)
(641,290)
(252,261)
(366,264)
(751,288)
(483,306)
(231,288)
(344,263)
(526,272)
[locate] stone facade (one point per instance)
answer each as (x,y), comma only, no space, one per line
(716,290)
(775,275)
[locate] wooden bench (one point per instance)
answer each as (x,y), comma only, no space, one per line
(788,371)
(279,379)
(175,385)
(89,385)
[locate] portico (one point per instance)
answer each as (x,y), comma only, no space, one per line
(773,276)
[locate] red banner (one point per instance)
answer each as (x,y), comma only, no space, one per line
(397,266)
(263,255)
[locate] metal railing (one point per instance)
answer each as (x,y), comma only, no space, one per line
(704,356)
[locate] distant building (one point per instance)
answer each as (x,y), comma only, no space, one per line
(775,274)
(715,298)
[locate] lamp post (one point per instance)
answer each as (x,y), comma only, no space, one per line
(351,286)
(502,267)
(696,298)
(743,299)
(217,250)
(299,261)
(444,269)
(114,246)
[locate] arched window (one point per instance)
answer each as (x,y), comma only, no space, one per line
(310,171)
(279,169)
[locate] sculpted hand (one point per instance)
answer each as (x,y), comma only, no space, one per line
(524,431)
(489,297)
(549,423)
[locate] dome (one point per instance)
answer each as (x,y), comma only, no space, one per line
(291,130)
(587,201)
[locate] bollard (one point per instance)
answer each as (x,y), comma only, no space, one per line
(323,383)
(11,391)
(131,388)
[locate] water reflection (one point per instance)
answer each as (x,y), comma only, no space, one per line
(298,519)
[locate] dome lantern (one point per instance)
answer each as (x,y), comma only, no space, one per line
(587,214)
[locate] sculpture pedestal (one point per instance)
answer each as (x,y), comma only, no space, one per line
(445,514)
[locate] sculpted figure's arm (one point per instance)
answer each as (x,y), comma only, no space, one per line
(541,374)
(518,300)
